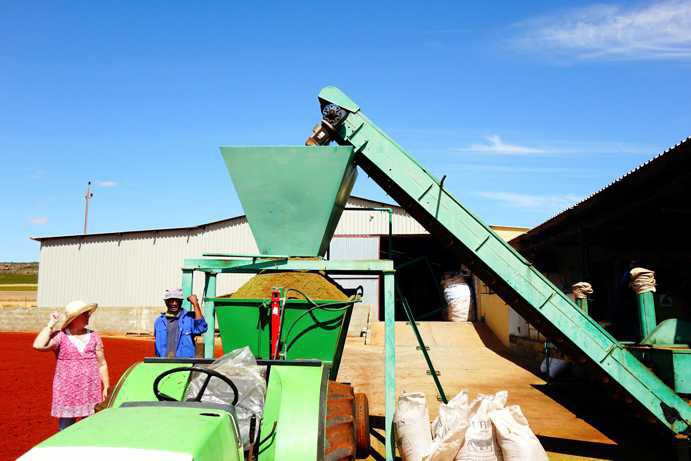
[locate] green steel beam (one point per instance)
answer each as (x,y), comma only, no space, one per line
(209,314)
(268,265)
(646,313)
(187,287)
(496,262)
(421,344)
(390,364)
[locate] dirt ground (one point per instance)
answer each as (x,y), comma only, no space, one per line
(570,419)
(573,420)
(26,382)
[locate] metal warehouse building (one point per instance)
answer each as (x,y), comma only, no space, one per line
(132,269)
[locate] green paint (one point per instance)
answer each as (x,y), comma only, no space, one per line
(421,344)
(249,315)
(187,287)
(496,262)
(209,314)
(336,96)
(582,304)
(247,266)
(293,196)
(670,331)
(181,430)
(673,365)
(319,334)
(646,313)
(137,385)
(390,364)
(293,403)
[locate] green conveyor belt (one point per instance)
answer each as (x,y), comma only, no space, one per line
(498,264)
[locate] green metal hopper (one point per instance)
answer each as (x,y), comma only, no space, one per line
(294,203)
(307,334)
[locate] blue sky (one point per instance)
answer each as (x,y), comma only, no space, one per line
(526,108)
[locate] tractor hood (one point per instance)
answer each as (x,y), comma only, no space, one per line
(147,432)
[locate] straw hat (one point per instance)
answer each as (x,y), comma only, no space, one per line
(74,310)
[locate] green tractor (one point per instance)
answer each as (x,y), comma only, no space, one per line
(156,411)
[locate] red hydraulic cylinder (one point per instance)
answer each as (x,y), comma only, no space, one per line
(275,322)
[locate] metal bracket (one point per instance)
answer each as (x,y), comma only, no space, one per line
(419,348)
(436,372)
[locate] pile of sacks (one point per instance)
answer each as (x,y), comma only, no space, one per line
(482,430)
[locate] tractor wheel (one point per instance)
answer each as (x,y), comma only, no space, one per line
(362,425)
(347,416)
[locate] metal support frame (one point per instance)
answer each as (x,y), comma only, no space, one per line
(502,268)
(646,313)
(582,304)
(421,345)
(249,264)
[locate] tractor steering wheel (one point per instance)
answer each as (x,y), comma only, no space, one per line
(198,398)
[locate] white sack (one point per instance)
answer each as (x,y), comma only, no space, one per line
(449,428)
(516,439)
(480,443)
(413,436)
(458,299)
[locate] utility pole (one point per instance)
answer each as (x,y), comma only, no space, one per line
(87,199)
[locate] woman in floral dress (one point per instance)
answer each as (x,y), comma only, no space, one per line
(81,372)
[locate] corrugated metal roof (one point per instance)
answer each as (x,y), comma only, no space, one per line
(597,195)
(200,227)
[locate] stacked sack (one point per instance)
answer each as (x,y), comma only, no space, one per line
(457,296)
(482,430)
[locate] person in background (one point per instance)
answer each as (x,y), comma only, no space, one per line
(81,372)
(175,330)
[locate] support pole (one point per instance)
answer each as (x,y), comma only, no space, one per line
(187,284)
(421,345)
(646,313)
(580,291)
(642,282)
(209,314)
(390,362)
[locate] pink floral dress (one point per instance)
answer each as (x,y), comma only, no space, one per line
(77,382)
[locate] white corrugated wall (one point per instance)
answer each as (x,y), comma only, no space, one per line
(375,222)
(133,269)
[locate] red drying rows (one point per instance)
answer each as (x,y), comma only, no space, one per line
(25,387)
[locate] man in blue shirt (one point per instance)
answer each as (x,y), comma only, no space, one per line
(175,330)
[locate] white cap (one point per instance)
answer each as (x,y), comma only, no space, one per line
(173,293)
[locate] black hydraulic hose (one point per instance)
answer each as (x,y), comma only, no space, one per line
(329,307)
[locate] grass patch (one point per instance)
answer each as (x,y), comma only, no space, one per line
(18,287)
(6,279)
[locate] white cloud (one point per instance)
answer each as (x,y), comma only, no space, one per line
(40,220)
(659,30)
(495,145)
(107,183)
(532,202)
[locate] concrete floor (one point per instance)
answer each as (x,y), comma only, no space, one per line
(470,357)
